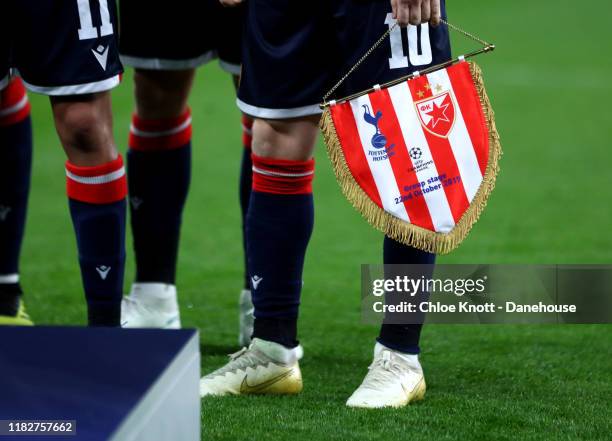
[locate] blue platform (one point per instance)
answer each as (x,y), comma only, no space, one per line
(117,384)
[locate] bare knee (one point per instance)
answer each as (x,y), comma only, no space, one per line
(79,127)
(292,139)
(84,125)
(162,93)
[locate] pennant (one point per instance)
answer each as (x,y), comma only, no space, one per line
(418,159)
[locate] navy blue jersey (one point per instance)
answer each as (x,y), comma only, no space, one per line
(294,52)
(185,35)
(60,47)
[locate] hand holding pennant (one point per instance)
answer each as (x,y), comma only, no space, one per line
(418,156)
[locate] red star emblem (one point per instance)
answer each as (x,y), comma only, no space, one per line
(438,113)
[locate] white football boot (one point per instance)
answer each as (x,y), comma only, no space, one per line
(264,367)
(151,305)
(394,380)
(245,311)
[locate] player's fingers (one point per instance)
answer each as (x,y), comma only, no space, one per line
(230,3)
(415,16)
(435,13)
(394,9)
(425,11)
(403,13)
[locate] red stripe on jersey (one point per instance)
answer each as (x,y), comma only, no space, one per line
(442,154)
(352,149)
(405,176)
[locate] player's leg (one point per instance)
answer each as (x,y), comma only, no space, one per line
(159,172)
(404,337)
(159,158)
(78,78)
(245,183)
(96,188)
(280,213)
(396,377)
(279,223)
(15,169)
(228,43)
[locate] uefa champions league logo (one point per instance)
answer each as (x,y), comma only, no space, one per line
(416,153)
(379,141)
(420,161)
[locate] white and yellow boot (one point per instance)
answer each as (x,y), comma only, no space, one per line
(264,367)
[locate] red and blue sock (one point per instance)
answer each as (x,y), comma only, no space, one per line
(246,183)
(97,206)
(396,336)
(15,171)
(278,227)
(159,170)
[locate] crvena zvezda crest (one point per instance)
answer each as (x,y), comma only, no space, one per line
(437,114)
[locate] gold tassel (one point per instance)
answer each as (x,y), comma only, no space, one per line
(404,232)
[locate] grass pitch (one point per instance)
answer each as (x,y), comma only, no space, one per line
(549,82)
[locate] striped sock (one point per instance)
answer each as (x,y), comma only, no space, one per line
(278,227)
(97,206)
(159,169)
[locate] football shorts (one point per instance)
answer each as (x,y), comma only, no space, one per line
(180,34)
(63,47)
(295,51)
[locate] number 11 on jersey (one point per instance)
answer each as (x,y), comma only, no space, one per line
(87,30)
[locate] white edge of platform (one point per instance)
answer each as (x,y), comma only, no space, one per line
(170,409)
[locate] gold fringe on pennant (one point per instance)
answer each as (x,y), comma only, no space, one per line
(402,231)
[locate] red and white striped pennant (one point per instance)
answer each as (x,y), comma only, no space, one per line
(418,159)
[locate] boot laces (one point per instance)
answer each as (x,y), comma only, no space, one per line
(240,360)
(384,369)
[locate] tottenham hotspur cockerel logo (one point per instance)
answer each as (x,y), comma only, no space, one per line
(379,141)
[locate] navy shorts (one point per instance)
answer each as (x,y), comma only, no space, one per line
(182,34)
(295,51)
(65,47)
